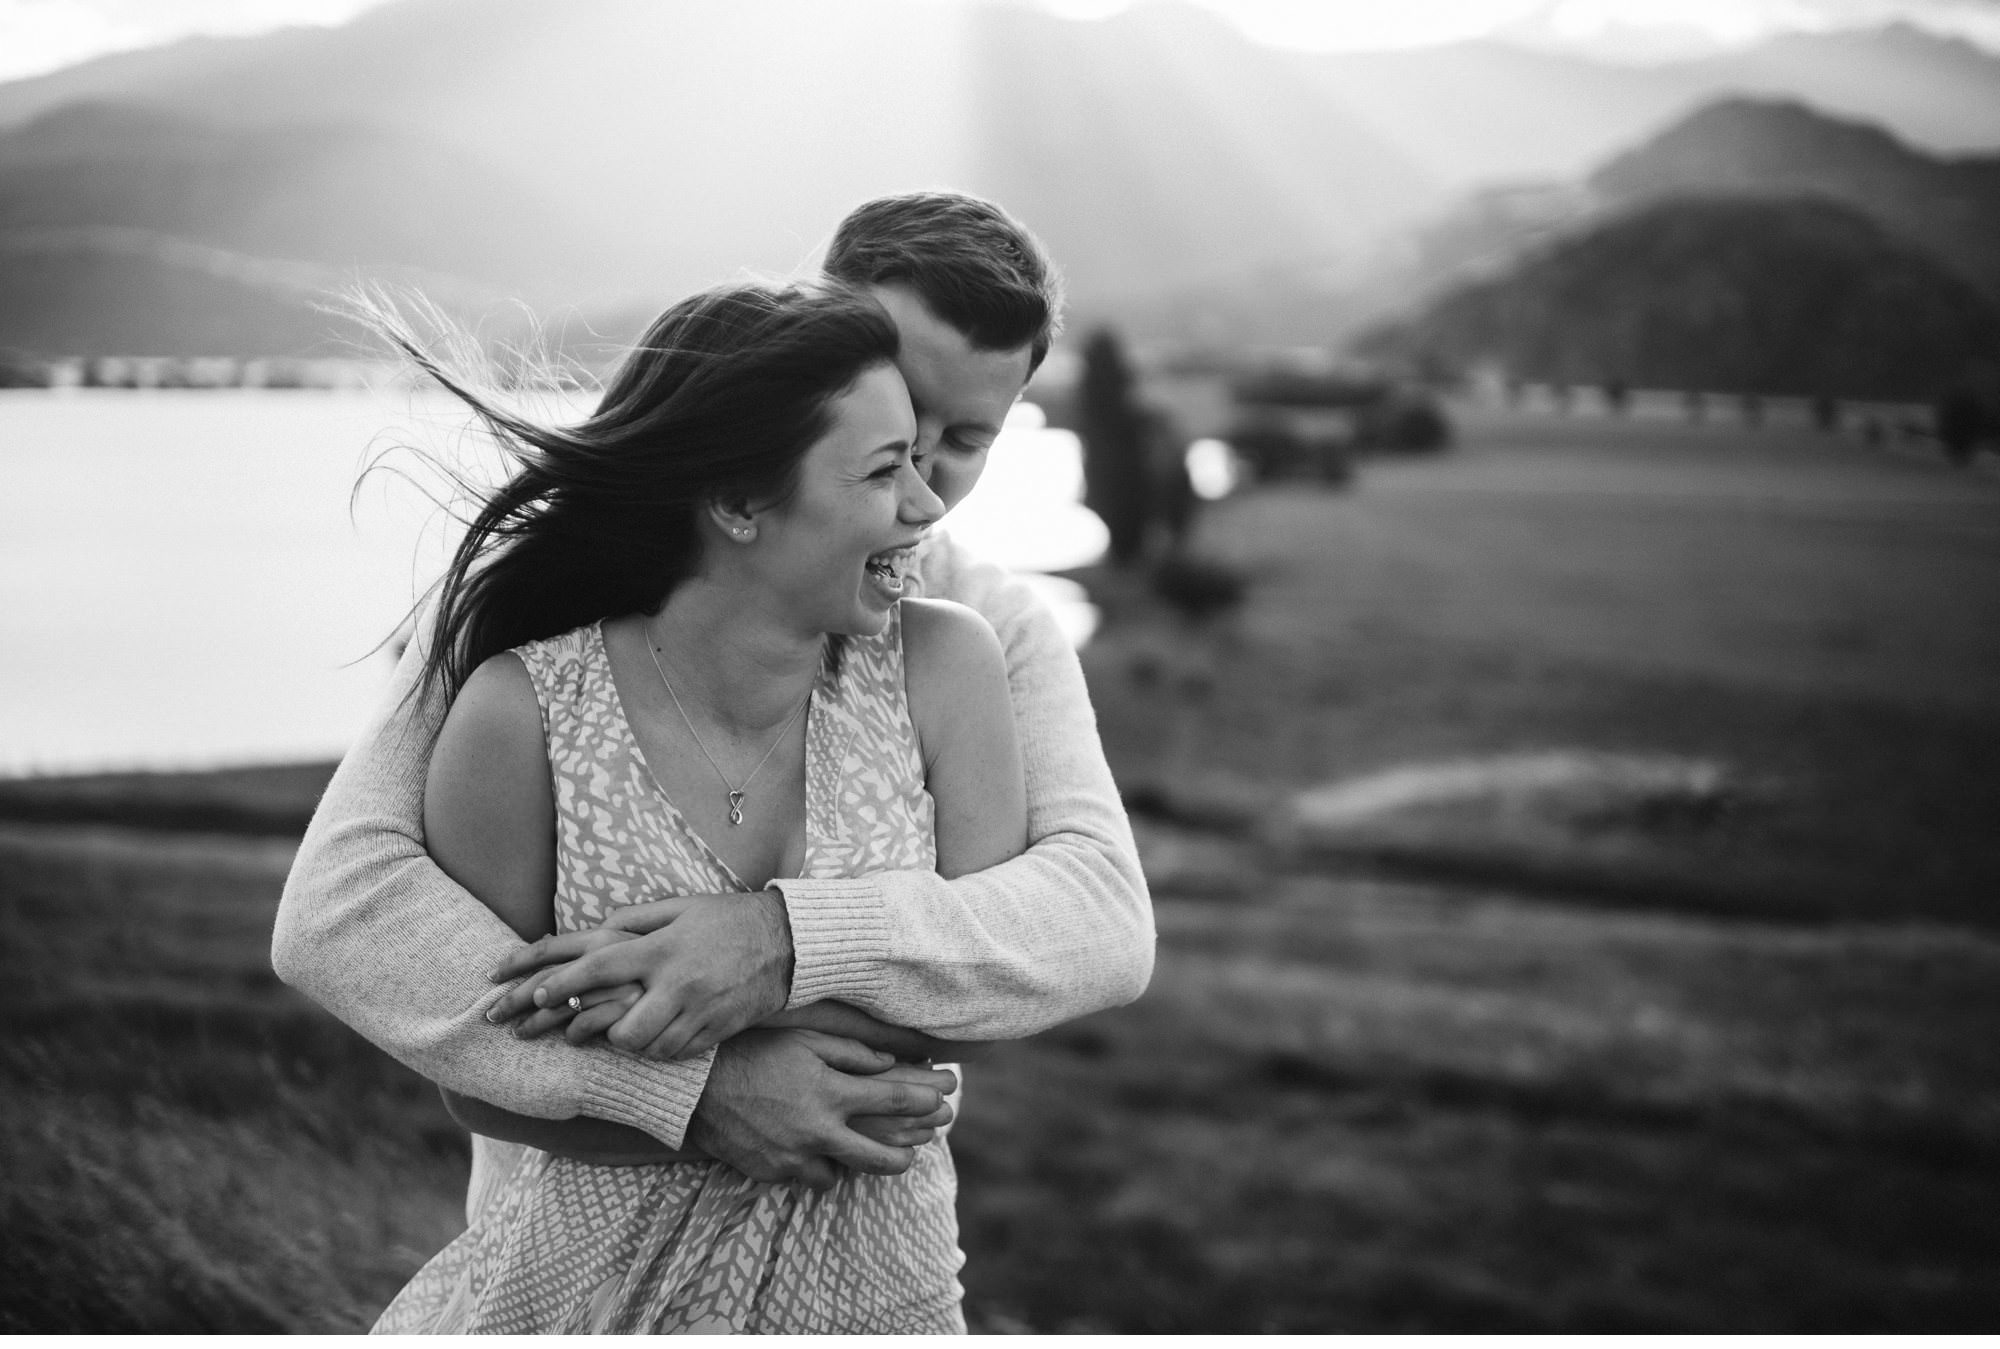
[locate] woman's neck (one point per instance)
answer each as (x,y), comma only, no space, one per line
(746,671)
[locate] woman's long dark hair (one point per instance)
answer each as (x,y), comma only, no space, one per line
(719,401)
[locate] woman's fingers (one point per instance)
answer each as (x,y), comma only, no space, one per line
(623,961)
(554,949)
(515,1003)
(648,917)
(559,1016)
(601,1014)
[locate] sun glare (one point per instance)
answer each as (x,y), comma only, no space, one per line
(1360,25)
(43,35)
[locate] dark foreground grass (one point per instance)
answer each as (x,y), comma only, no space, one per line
(190,1146)
(1381,1107)
(1344,1105)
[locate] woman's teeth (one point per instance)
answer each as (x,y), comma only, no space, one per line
(888,567)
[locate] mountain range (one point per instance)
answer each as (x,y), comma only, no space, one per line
(607,155)
(1485,113)
(1756,246)
(1744,294)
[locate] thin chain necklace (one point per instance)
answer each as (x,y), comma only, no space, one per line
(735,792)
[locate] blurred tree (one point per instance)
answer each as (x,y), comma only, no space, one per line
(1115,446)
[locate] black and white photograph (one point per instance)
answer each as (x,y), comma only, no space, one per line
(923,667)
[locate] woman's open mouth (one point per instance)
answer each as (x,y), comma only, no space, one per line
(888,568)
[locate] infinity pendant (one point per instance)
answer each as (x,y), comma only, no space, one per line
(736,807)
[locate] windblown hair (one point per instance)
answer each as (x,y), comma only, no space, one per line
(719,401)
(975,266)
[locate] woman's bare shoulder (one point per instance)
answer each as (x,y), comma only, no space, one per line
(491,744)
(497,703)
(954,672)
(945,641)
(489,808)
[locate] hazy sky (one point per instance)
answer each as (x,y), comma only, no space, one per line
(39,35)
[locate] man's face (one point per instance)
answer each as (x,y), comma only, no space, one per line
(961,394)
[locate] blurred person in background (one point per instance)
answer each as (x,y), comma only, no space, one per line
(372,927)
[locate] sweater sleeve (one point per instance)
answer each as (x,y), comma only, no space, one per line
(1063,930)
(373,931)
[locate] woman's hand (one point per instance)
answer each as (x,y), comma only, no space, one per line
(709,967)
(601,1007)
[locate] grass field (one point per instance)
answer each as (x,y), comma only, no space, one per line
(1496,1062)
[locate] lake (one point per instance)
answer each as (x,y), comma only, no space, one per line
(183,581)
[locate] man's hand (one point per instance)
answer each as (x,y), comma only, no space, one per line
(715,965)
(785,1105)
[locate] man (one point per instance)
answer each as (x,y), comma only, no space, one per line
(374,931)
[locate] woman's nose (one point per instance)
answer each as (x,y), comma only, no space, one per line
(921,506)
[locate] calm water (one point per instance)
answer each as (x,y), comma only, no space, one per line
(182,581)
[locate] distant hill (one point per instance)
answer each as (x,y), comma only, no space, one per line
(130,229)
(1484,113)
(338,195)
(1947,207)
(104,293)
(1781,149)
(1726,294)
(618,153)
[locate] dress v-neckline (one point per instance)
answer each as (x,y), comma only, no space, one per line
(814,719)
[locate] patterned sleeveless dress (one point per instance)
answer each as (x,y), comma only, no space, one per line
(561,1246)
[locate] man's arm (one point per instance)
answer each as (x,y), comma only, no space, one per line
(373,931)
(1063,930)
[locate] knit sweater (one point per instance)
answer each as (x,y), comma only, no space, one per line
(371,929)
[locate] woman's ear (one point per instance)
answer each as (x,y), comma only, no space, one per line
(734,519)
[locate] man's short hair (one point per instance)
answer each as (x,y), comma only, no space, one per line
(972,264)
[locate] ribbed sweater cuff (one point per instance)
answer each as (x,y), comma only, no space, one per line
(840,938)
(657,1097)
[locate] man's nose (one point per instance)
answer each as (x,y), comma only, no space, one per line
(924,451)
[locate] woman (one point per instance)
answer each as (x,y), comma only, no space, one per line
(679,665)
